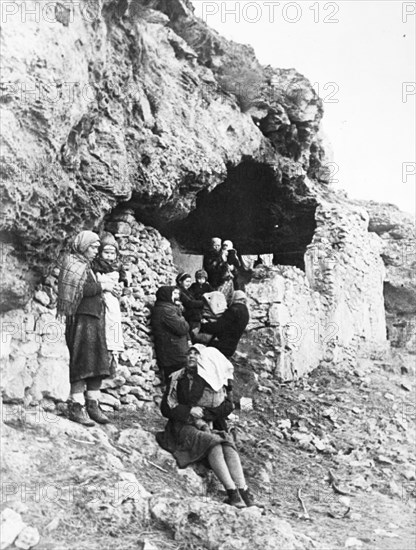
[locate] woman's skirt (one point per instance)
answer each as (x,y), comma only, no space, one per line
(85,338)
(188,444)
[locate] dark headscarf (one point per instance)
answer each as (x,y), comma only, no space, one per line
(164,293)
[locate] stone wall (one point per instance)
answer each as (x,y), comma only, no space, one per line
(34,353)
(397,234)
(331,313)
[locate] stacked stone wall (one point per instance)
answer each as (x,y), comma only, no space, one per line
(35,357)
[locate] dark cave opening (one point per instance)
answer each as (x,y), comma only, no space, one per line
(259,210)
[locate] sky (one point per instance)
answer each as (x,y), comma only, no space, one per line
(360,57)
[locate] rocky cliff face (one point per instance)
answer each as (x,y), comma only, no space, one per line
(137,118)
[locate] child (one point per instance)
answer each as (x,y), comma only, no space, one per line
(201,285)
(109,269)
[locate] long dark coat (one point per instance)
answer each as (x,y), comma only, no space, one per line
(192,307)
(216,267)
(85,335)
(197,290)
(170,330)
(228,329)
(182,439)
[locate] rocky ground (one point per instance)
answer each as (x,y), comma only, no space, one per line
(343,441)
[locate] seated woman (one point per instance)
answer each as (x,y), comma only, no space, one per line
(215,305)
(189,443)
(229,328)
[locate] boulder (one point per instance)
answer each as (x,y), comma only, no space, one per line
(222,527)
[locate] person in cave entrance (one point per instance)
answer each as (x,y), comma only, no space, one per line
(201,285)
(80,302)
(192,306)
(229,328)
(229,254)
(182,404)
(170,331)
(215,265)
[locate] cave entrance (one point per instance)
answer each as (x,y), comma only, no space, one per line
(259,210)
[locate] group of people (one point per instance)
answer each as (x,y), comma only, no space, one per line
(198,378)
(208,311)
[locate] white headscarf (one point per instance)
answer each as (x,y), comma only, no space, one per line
(213,366)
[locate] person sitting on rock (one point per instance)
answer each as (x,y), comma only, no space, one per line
(201,285)
(228,329)
(190,444)
(192,306)
(211,384)
(215,305)
(108,268)
(170,331)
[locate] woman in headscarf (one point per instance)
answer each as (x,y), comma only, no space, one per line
(170,331)
(198,396)
(229,328)
(80,302)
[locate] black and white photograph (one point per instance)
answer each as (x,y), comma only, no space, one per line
(208,274)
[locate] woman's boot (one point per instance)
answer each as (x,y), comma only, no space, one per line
(247,497)
(77,413)
(234,499)
(96,413)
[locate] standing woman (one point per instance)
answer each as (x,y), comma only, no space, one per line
(170,332)
(80,301)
